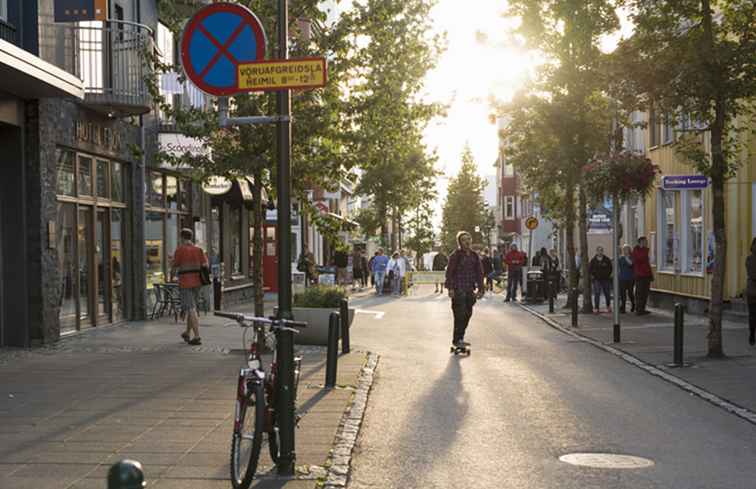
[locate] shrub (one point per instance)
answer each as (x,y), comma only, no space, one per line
(326,296)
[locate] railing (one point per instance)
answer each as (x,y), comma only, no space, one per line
(112,58)
(7,32)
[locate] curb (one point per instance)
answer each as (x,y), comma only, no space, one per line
(341,456)
(721,403)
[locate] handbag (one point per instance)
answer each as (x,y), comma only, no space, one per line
(204,273)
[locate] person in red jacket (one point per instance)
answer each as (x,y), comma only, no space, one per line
(515,260)
(642,275)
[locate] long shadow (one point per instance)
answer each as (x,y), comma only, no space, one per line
(432,423)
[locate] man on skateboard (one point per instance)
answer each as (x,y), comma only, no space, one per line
(464,281)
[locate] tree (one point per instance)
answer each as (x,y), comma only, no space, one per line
(568,107)
(695,60)
(464,208)
(420,231)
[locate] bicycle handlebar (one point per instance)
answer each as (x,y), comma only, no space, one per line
(276,323)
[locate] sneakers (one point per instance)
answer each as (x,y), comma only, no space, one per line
(185,336)
(195,341)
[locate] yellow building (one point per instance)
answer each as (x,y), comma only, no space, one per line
(677,219)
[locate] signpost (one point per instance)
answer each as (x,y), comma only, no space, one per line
(223,51)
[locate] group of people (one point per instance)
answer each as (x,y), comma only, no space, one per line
(383,269)
(635,277)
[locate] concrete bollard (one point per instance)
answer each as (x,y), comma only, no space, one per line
(333,350)
(126,474)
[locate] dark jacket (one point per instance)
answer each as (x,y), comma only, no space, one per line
(464,273)
(600,268)
(485,262)
(625,269)
(439,262)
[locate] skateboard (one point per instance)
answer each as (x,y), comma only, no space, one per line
(460,350)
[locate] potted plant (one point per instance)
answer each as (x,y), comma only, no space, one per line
(315,306)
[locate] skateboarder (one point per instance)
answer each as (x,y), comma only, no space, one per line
(464,281)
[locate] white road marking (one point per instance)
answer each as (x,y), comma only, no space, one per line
(378,314)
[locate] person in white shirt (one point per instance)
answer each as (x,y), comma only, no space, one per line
(396,269)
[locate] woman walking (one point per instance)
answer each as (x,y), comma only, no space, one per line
(751,292)
(626,282)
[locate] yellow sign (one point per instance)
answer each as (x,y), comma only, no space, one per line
(281,75)
(531,223)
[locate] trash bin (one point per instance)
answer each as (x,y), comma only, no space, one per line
(536,286)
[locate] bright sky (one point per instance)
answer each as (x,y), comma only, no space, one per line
(478,64)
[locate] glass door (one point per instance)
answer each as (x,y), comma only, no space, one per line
(117,263)
(102,265)
(85,254)
(66,245)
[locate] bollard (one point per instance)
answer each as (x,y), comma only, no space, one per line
(551,296)
(678,341)
(344,315)
(285,401)
(574,299)
(126,474)
(333,349)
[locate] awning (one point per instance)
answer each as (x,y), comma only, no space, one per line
(27,76)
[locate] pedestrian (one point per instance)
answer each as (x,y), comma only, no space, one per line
(464,281)
(365,268)
(188,260)
(356,268)
(555,276)
(439,265)
(515,260)
(487,265)
(341,260)
(380,262)
(407,266)
(751,292)
(370,268)
(626,282)
(394,270)
(306,264)
(600,271)
(642,275)
(497,262)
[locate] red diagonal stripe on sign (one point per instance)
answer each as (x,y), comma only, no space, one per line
(222,48)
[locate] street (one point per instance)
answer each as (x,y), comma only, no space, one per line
(527,395)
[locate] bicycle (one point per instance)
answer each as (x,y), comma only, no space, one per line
(256,394)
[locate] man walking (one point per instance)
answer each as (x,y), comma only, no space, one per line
(187,261)
(642,274)
(514,260)
(439,265)
(464,281)
(487,265)
(600,270)
(380,261)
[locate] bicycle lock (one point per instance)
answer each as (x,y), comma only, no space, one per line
(333,349)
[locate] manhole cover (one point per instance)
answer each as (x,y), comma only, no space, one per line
(606,461)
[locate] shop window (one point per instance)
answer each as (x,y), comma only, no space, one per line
(85,175)
(695,236)
(667,230)
(154,189)
(171,237)
(234,224)
(66,172)
(185,194)
(153,240)
(116,182)
(171,191)
(103,175)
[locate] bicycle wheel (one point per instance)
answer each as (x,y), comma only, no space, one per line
(272,426)
(247,438)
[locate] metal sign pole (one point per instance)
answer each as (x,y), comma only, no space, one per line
(283,181)
(615,266)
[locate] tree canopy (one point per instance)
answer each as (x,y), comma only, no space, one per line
(464,208)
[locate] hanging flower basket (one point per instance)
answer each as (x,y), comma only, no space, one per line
(622,175)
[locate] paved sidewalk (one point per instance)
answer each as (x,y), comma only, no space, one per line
(650,339)
(69,411)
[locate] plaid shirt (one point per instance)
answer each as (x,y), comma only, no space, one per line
(464,272)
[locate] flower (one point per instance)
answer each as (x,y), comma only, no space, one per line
(623,174)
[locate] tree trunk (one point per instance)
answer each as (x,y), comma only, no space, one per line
(569,203)
(720,239)
(584,257)
(257,244)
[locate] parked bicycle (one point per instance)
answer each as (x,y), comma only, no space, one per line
(255,413)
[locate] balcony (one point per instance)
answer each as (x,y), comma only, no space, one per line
(7,32)
(112,58)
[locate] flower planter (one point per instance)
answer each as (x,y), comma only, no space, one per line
(317,319)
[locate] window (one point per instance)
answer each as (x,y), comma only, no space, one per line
(116,182)
(154,189)
(102,179)
(85,175)
(695,236)
(4,10)
(653,129)
(668,130)
(509,207)
(234,224)
(66,172)
(667,230)
(171,191)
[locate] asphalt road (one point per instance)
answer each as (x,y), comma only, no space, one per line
(527,395)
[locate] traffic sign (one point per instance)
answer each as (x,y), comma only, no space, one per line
(283,74)
(531,223)
(217,39)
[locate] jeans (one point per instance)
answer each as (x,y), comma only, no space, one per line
(642,287)
(462,307)
(600,285)
(627,291)
(379,276)
(396,284)
(514,278)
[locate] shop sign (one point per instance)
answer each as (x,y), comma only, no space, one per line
(177,145)
(600,219)
(216,185)
(683,182)
(97,135)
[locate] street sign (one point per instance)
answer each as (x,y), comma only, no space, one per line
(531,223)
(672,182)
(217,39)
(288,74)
